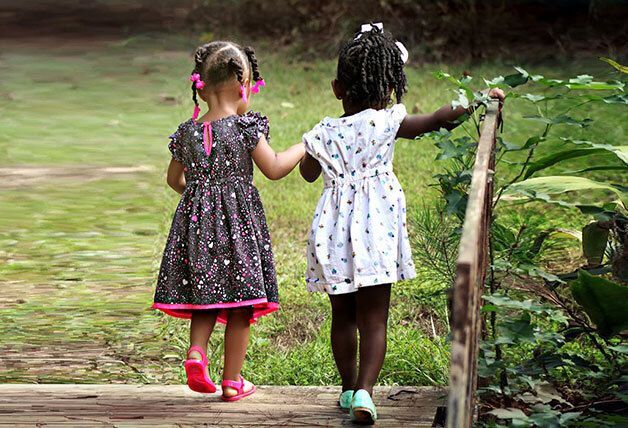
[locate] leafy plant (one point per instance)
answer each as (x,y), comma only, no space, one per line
(603,301)
(547,328)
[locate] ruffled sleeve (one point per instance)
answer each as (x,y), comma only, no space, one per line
(176,145)
(395,115)
(253,126)
(311,139)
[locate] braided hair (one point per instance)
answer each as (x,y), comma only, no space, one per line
(370,67)
(220,61)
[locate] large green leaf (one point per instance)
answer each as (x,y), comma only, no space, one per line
(597,86)
(584,81)
(616,99)
(461,101)
(454,149)
(514,80)
(604,302)
(517,417)
(554,158)
(620,151)
(594,242)
(604,213)
(597,168)
(622,349)
(540,187)
(520,78)
(536,98)
(511,147)
(460,83)
(516,330)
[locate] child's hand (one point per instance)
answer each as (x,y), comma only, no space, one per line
(498,94)
(445,117)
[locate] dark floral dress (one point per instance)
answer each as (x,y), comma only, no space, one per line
(218,254)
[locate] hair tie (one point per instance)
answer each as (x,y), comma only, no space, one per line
(243,93)
(256,87)
(196,112)
(370,27)
(195,77)
(404,51)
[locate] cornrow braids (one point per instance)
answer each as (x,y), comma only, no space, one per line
(250,54)
(236,68)
(370,68)
(220,61)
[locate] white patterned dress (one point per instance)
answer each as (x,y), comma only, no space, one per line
(358,236)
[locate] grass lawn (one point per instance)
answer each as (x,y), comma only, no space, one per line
(79,254)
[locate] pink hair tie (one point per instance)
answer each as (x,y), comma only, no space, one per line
(195,77)
(243,93)
(256,87)
(197,111)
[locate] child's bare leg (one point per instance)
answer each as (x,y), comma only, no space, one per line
(344,337)
(236,342)
(201,327)
(372,316)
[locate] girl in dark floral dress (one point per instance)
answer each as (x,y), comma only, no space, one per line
(218,262)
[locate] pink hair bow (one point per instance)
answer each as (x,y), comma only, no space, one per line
(195,77)
(256,87)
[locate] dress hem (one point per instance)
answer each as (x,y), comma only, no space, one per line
(345,288)
(261,307)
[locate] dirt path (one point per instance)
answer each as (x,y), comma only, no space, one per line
(19,176)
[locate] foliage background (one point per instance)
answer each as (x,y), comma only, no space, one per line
(451,30)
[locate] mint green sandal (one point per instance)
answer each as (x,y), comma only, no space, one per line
(362,409)
(344,401)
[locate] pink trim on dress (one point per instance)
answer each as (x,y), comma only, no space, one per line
(207,138)
(210,306)
(261,307)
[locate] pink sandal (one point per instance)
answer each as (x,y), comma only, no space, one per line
(239,387)
(197,376)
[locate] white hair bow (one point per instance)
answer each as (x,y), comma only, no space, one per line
(369,27)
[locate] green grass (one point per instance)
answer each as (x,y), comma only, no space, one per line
(79,258)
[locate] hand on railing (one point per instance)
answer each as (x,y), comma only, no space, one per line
(497,94)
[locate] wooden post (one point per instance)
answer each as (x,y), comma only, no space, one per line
(471,267)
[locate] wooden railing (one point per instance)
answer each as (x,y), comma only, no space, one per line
(471,269)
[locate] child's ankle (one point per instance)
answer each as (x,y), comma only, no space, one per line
(193,354)
(235,378)
(364,388)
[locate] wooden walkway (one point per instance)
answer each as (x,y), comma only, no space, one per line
(176,405)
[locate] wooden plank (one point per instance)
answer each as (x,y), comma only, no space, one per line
(170,405)
(470,275)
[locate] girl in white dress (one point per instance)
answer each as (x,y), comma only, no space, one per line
(358,244)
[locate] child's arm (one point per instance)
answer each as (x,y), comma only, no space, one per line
(445,117)
(176,178)
(276,165)
(310,168)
